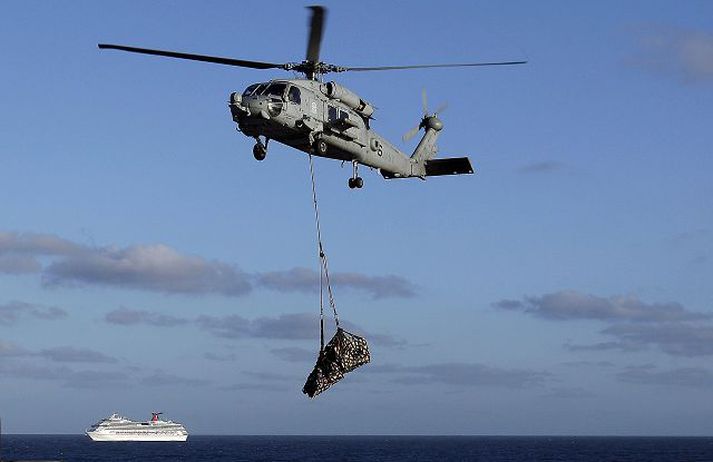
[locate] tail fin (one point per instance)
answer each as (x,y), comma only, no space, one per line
(427,148)
(452,166)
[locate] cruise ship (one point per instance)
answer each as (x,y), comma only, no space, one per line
(118,428)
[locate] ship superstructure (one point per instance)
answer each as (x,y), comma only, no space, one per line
(118,428)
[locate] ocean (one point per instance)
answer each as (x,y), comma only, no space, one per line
(76,448)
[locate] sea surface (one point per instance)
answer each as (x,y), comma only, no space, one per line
(78,448)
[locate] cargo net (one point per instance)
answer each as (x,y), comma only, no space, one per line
(344,353)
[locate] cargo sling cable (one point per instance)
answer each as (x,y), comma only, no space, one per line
(345,351)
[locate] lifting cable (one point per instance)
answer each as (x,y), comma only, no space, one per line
(345,351)
(323,263)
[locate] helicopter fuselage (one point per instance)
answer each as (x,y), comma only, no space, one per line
(301,113)
(327,119)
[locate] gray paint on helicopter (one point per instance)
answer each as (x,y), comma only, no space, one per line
(327,119)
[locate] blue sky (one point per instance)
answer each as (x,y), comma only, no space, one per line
(148,262)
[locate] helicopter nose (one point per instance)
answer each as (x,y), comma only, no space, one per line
(237,109)
(259,107)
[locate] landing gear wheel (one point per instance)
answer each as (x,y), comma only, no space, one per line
(355,181)
(320,147)
(259,151)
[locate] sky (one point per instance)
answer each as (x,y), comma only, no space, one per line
(148,262)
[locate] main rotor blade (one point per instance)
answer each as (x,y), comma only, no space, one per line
(425,66)
(424,102)
(208,59)
(316,27)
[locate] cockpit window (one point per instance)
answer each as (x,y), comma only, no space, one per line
(276,89)
(294,95)
(248,91)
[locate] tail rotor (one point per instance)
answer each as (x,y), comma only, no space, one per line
(426,115)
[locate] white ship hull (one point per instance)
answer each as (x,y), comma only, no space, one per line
(96,436)
(117,428)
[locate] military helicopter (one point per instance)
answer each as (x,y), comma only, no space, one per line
(328,119)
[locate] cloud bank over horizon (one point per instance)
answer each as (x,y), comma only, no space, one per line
(160,268)
(291,326)
(633,323)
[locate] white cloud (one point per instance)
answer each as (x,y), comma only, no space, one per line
(160,268)
(684,54)
(569,305)
(11,312)
(148,267)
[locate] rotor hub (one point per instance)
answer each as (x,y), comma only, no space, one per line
(433,122)
(312,69)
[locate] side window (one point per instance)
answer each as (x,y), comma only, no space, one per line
(294,95)
(334,114)
(331,113)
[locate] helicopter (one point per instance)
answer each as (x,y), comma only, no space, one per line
(327,119)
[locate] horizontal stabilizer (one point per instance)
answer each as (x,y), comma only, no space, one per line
(452,166)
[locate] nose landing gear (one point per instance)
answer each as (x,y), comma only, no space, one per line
(355,181)
(260,149)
